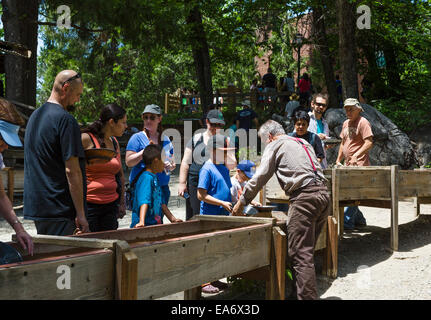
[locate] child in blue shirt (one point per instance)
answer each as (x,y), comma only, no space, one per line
(148,206)
(214,180)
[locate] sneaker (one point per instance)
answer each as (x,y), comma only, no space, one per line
(220,285)
(210,289)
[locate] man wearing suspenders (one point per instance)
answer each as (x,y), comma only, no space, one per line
(298,171)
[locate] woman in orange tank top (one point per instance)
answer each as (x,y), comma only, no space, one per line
(105,182)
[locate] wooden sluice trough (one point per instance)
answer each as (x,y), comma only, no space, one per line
(369,186)
(150,262)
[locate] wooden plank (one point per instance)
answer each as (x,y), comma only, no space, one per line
(417,206)
(414,183)
(377,203)
(236,219)
(10,183)
(335,197)
(71,241)
(167,268)
(332,248)
(193,293)
(126,272)
(279,266)
(91,277)
(394,208)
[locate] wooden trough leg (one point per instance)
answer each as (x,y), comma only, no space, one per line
(10,183)
(417,206)
(331,251)
(126,272)
(275,286)
(193,294)
(336,212)
(394,207)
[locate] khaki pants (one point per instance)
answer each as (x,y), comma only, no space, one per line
(307,215)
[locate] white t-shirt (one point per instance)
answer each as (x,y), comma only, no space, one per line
(236,189)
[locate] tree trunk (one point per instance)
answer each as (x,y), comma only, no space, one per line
(201,57)
(18,21)
(346,19)
(325,56)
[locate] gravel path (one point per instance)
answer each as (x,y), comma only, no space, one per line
(367,269)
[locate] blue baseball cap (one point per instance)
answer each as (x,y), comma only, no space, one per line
(248,167)
(9,133)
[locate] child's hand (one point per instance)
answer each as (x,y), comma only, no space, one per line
(227,206)
(140,225)
(175,220)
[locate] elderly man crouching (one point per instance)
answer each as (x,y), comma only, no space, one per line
(299,174)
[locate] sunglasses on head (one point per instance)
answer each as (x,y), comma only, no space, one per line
(152,117)
(76,76)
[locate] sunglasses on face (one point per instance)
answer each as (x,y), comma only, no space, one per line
(320,104)
(76,76)
(152,117)
(217,125)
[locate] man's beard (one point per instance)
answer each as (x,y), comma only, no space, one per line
(70,108)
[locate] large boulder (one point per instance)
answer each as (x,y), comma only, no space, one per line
(391,145)
(422,138)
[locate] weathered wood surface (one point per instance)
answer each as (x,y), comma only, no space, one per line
(126,272)
(394,207)
(71,241)
(167,268)
(92,277)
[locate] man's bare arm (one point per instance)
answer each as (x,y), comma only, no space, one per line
(74,178)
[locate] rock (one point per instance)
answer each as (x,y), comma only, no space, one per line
(391,145)
(422,139)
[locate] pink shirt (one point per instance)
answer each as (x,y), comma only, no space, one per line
(101,183)
(354,135)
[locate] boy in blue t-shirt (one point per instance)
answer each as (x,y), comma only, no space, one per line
(214,180)
(148,207)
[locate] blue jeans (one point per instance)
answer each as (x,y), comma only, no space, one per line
(353,217)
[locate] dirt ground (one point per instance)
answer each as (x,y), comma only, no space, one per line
(367,268)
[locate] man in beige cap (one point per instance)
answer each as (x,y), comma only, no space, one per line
(357,140)
(54,162)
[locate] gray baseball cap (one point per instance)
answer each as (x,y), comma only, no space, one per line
(152,108)
(215,116)
(352,102)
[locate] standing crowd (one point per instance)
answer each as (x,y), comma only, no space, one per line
(65,194)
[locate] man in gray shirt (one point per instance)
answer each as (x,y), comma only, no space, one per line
(299,174)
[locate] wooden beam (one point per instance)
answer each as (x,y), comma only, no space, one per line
(126,272)
(335,197)
(71,241)
(91,277)
(394,207)
(236,219)
(331,248)
(10,183)
(278,267)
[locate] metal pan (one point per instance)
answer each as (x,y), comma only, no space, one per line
(9,254)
